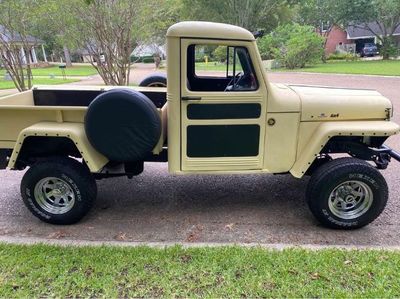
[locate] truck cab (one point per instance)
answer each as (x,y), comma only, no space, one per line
(229,120)
(236,120)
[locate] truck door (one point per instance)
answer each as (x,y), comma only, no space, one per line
(223,106)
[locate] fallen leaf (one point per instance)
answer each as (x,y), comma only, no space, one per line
(194,233)
(315,276)
(58,235)
(229,226)
(121,237)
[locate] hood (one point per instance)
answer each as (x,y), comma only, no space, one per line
(327,103)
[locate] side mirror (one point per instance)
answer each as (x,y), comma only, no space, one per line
(258,33)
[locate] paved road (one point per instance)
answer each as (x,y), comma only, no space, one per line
(157,207)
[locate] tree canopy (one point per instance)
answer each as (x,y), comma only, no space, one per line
(249,14)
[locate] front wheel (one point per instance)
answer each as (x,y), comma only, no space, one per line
(59,191)
(347,193)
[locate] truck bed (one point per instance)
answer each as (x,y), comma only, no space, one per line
(84,96)
(55,104)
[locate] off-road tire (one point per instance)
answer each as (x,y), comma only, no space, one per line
(74,176)
(334,174)
(157,80)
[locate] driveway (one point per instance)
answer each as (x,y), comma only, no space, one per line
(158,207)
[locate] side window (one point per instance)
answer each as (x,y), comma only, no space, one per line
(220,68)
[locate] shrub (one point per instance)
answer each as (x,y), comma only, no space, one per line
(144,59)
(220,54)
(343,56)
(389,48)
(294,45)
(268,45)
(148,59)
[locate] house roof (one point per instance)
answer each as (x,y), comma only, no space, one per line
(15,37)
(148,50)
(209,30)
(359,31)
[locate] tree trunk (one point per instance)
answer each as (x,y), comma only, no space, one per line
(67,56)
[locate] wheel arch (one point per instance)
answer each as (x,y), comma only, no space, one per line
(371,133)
(154,80)
(48,139)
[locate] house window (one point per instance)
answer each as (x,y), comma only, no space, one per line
(220,68)
(325,26)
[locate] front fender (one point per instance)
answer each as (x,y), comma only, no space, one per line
(327,130)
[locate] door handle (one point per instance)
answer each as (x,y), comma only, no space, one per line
(191,98)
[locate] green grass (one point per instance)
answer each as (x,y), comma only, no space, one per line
(379,67)
(211,66)
(38,81)
(43,271)
(215,67)
(56,71)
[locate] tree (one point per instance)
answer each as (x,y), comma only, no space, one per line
(249,14)
(324,15)
(294,45)
(108,30)
(157,16)
(18,20)
(380,17)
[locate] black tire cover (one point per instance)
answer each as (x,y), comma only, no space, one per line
(158,79)
(123,125)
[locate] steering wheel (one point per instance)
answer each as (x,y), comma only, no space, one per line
(235,79)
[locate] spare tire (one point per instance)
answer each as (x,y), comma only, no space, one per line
(155,80)
(123,125)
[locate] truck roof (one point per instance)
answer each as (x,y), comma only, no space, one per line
(209,30)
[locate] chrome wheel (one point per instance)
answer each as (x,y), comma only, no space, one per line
(351,199)
(54,195)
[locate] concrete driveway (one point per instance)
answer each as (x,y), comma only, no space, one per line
(158,207)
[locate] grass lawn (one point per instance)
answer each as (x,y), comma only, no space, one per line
(375,67)
(49,271)
(38,81)
(56,71)
(211,66)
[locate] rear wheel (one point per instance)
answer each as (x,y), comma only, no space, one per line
(158,80)
(59,191)
(347,193)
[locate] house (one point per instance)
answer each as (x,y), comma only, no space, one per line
(149,50)
(82,55)
(353,38)
(14,38)
(337,40)
(360,35)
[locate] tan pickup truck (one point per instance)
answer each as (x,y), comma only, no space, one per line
(228,121)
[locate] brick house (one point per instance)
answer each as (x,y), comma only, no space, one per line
(353,38)
(336,37)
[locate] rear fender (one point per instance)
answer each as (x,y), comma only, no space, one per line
(73,131)
(327,130)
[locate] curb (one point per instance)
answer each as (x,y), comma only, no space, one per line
(160,245)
